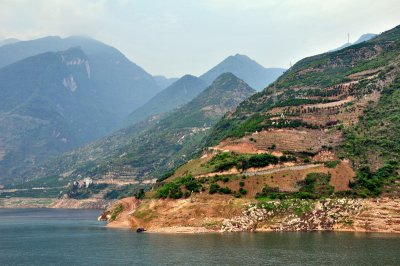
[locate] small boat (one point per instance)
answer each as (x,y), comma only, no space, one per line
(140,230)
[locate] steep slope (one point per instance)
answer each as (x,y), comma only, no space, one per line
(246,69)
(161,145)
(47,105)
(179,93)
(120,84)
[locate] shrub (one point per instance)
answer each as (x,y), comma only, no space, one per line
(242,191)
(225,190)
(214,188)
(331,164)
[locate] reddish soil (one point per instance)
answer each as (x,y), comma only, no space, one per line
(284,140)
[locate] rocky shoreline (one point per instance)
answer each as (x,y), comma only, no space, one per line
(339,214)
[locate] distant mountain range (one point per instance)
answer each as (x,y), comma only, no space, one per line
(54,100)
(145,152)
(363,38)
(59,93)
(188,87)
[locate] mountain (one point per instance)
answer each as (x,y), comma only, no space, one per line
(52,102)
(246,69)
(363,38)
(179,93)
(186,88)
(164,82)
(144,153)
(318,149)
(8,41)
(123,85)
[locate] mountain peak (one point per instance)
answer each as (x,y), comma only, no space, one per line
(188,76)
(225,77)
(241,56)
(227,83)
(244,68)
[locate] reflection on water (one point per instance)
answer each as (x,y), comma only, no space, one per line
(74,237)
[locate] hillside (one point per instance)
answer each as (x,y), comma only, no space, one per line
(128,158)
(298,156)
(246,69)
(177,94)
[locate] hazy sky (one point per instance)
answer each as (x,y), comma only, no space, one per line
(175,37)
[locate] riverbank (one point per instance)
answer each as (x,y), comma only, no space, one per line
(99,204)
(201,214)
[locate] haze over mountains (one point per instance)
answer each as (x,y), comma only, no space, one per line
(140,153)
(188,87)
(55,100)
(60,93)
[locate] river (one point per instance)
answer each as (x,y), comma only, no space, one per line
(75,237)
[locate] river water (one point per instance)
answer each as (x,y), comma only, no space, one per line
(75,237)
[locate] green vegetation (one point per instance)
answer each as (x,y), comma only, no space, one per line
(242,191)
(316,185)
(378,132)
(369,184)
(173,189)
(227,160)
(331,164)
(116,211)
(214,188)
(374,143)
(136,191)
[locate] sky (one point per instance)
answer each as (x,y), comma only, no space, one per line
(177,37)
